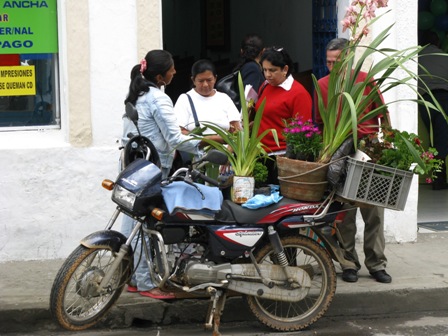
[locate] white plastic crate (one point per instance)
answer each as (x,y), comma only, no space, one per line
(375,184)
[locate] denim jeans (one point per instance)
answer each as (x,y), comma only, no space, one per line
(140,278)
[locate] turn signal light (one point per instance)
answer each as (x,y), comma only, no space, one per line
(157,213)
(108,184)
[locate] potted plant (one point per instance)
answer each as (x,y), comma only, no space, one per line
(401,150)
(299,176)
(345,105)
(244,147)
(383,178)
(260,176)
(303,139)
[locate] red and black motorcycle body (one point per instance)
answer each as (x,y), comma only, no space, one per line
(228,233)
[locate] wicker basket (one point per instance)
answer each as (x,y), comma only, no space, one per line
(375,184)
(302,180)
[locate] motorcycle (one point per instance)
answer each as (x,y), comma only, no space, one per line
(278,258)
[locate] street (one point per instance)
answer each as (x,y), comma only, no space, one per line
(421,324)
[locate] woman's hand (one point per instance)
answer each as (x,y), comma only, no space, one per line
(235,126)
(184,130)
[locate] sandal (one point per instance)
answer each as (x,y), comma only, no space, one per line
(132,289)
(157,293)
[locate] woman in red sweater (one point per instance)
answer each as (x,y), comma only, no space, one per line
(285,99)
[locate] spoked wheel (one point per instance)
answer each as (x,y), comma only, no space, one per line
(75,300)
(306,254)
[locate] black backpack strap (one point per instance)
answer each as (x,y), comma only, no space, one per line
(263,86)
(195,116)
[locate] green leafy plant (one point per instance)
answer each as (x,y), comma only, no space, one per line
(401,150)
(303,139)
(244,147)
(260,174)
(347,100)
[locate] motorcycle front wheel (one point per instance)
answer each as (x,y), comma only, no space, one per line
(75,300)
(308,255)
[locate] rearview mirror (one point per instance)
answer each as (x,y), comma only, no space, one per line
(215,156)
(131,112)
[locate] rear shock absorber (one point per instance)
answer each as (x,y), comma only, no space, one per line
(277,246)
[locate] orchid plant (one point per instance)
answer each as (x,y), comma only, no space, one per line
(243,147)
(347,98)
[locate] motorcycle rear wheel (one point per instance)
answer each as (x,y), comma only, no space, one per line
(74,300)
(305,253)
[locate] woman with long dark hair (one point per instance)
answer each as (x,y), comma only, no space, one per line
(156,117)
(158,122)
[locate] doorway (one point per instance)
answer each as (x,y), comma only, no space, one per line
(213,29)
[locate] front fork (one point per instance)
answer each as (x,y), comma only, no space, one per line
(124,250)
(161,262)
(160,259)
(115,241)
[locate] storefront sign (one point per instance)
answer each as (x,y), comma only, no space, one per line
(17,81)
(28,27)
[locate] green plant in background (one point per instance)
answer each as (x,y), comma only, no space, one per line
(244,147)
(400,150)
(348,99)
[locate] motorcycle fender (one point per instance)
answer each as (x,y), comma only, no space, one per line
(104,239)
(245,280)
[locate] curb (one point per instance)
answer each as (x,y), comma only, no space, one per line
(156,313)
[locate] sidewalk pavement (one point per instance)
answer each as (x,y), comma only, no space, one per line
(420,283)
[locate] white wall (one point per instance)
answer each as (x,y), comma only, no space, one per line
(400,226)
(51,191)
(113,45)
(51,198)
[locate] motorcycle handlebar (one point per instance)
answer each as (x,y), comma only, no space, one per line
(197,174)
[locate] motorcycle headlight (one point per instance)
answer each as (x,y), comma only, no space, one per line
(123,197)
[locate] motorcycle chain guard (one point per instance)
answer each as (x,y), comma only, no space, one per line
(245,279)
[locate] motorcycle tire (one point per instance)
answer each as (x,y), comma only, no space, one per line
(74,300)
(305,253)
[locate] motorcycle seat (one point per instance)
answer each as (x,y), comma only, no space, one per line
(234,213)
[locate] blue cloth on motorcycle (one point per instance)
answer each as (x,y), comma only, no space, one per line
(180,196)
(260,201)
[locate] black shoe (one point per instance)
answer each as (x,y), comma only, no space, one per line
(381,276)
(350,275)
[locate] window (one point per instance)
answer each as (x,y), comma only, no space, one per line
(29,86)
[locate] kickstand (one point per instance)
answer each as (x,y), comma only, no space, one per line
(215,309)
